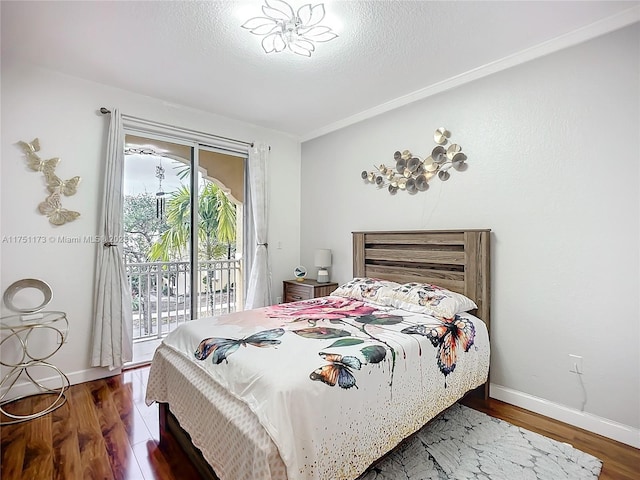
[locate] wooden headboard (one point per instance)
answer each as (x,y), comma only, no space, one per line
(454,259)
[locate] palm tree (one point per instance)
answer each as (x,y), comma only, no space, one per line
(216,228)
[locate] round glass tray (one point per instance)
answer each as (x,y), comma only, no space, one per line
(12,322)
(27,283)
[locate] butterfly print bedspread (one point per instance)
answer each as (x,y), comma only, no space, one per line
(337,382)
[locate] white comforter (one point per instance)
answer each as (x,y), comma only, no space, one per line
(337,382)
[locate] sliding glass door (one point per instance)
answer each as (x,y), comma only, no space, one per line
(183,216)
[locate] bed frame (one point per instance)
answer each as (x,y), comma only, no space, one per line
(458,260)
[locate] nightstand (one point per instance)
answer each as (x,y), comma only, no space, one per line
(294,291)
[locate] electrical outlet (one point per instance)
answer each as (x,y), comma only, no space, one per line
(278,299)
(575,364)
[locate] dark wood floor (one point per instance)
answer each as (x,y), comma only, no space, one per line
(105,431)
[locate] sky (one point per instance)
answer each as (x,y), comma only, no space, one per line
(140,174)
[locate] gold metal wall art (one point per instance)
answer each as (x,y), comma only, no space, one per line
(52,208)
(411,173)
(52,205)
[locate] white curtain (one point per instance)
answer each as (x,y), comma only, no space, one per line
(259,288)
(112,327)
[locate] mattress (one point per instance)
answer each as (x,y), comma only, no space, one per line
(221,426)
(316,389)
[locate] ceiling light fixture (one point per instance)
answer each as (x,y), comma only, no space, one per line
(283,28)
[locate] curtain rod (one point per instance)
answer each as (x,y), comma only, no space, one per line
(106,111)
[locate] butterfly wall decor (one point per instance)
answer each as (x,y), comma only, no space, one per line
(38,165)
(51,206)
(66,187)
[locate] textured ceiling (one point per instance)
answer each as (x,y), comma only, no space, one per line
(195,53)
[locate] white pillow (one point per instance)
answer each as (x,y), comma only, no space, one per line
(429,299)
(367,289)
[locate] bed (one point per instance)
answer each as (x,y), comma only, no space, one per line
(369,376)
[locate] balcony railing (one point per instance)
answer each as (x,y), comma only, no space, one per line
(162,293)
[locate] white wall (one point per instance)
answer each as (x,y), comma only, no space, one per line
(61,111)
(553,149)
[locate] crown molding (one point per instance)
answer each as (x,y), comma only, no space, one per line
(593,30)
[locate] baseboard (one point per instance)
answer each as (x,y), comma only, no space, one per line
(587,421)
(27,388)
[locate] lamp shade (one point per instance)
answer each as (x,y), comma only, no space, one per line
(323,257)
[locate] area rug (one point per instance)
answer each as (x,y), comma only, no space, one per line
(462,443)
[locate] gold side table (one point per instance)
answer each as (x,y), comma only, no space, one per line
(14,329)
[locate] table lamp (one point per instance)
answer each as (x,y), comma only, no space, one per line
(323,260)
